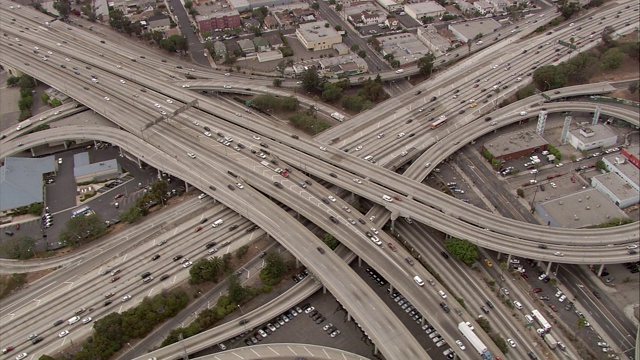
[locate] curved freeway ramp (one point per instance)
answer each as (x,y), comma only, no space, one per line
(284,352)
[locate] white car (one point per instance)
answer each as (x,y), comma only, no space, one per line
(87,320)
(460,344)
(262,333)
(358,148)
(358,181)
(191,155)
(558,253)
(323,148)
(309,309)
(64,333)
(207,134)
(380,136)
(542,276)
(505,291)
(126,298)
(553,185)
(107,98)
(523,113)
(511,342)
(400,135)
(335,333)
(186,86)
(559,293)
(376,240)
(157,105)
(122,81)
(21,356)
(170,101)
(515,261)
(562,298)
(517,304)
(350,220)
(331,198)
(187,264)
(239,186)
(346,208)
(375,231)
(227,86)
(256,137)
(559,165)
(227,74)
(59,160)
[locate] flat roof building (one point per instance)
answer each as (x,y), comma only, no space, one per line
(632,154)
(390,5)
(592,137)
(424,9)
(405,47)
(515,145)
(628,172)
(468,30)
(316,36)
(616,189)
(434,41)
(579,210)
(21,181)
(84,171)
(219,20)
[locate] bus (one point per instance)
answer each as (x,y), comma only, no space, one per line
(80,211)
(441,120)
(541,320)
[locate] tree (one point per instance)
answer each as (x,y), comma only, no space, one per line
(277,82)
(612,59)
(63,7)
(569,8)
(362,54)
(274,269)
(19,248)
(425,64)
(242,251)
(339,7)
(606,36)
(310,79)
(462,250)
(600,166)
(582,322)
(549,77)
(315,5)
(83,229)
(355,47)
(331,91)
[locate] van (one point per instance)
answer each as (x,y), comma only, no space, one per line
(529,319)
(418,280)
(145,275)
(217,223)
(73,320)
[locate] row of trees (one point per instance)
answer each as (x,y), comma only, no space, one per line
(113,331)
(266,103)
(462,250)
(121,23)
(308,122)
(27,84)
(211,269)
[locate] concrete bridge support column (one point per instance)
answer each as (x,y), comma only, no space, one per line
(390,288)
(186,186)
(297,263)
(508,258)
(139,163)
(600,269)
(375,349)
(359,261)
(324,289)
(66,145)
(549,268)
(348,316)
(119,148)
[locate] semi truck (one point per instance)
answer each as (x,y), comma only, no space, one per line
(477,344)
(550,340)
(268,165)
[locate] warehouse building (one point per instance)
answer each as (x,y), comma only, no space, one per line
(515,145)
(592,137)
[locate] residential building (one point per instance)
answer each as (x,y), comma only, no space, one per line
(316,36)
(274,39)
(220,49)
(269,55)
(246,46)
(392,23)
(466,7)
(592,137)
(159,23)
(219,20)
(483,7)
(261,44)
(270,23)
(424,9)
(468,30)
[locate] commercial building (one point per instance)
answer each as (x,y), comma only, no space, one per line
(269,55)
(348,65)
(469,30)
(515,145)
(434,41)
(219,20)
(21,180)
(616,189)
(632,154)
(84,171)
(579,210)
(483,7)
(390,5)
(424,9)
(628,172)
(405,47)
(592,137)
(317,36)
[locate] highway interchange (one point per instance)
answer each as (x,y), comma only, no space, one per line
(423,206)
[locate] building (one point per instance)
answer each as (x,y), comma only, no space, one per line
(270,23)
(405,47)
(483,7)
(628,172)
(342,48)
(466,7)
(159,23)
(579,210)
(632,155)
(592,137)
(364,13)
(261,44)
(515,145)
(219,20)
(469,30)
(274,40)
(269,55)
(392,23)
(220,49)
(85,172)
(346,65)
(317,36)
(390,5)
(21,181)
(246,46)
(424,9)
(616,189)
(434,41)
(240,5)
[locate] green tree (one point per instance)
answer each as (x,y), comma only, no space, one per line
(13,80)
(339,7)
(63,7)
(131,215)
(83,229)
(44,97)
(569,8)
(582,322)
(331,242)
(462,250)
(19,248)
(277,82)
(315,5)
(520,192)
(600,166)
(331,91)
(235,291)
(310,79)
(612,59)
(274,269)
(372,90)
(425,64)
(549,77)
(242,251)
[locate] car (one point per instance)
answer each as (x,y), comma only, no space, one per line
(20,356)
(511,343)
(392,247)
(553,307)
(335,333)
(240,186)
(558,253)
(488,262)
(333,219)
(603,344)
(544,297)
(562,298)
(409,261)
(444,254)
(187,264)
(87,320)
(542,277)
(597,295)
(155,257)
(505,291)
(63,333)
(357,181)
(115,278)
(517,304)
(460,344)
(537,290)
(444,307)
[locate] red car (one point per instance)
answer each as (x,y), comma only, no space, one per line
(524,276)
(198,228)
(118,196)
(115,278)
(553,307)
(397,197)
(537,290)
(555,59)
(573,180)
(7,349)
(392,247)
